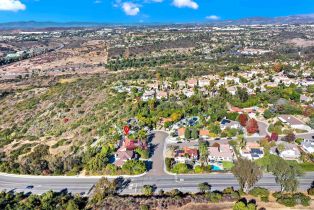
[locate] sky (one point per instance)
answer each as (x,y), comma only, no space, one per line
(148,11)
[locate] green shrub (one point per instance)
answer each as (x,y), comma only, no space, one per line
(198,169)
(277,194)
(292,200)
(214,196)
(287,201)
(302,199)
(144,207)
(264,199)
(180,168)
(229,191)
(260,192)
(310,191)
(169,162)
(240,205)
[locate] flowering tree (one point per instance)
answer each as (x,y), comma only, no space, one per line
(252,126)
(243,119)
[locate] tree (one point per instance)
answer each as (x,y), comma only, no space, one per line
(241,141)
(242,94)
(148,190)
(285,174)
(194,133)
(243,205)
(252,126)
(176,116)
(142,135)
(274,136)
(204,187)
(247,173)
(180,168)
(103,188)
(278,67)
(290,137)
(243,119)
(203,150)
(72,205)
(187,133)
(134,167)
(268,114)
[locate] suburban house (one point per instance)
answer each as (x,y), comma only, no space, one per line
(235,109)
(126,150)
(252,151)
(220,152)
(306,99)
(203,82)
(204,134)
(232,90)
(192,83)
(186,155)
(234,79)
(131,144)
(288,151)
(308,145)
(181,132)
(181,84)
(147,95)
(188,93)
(123,155)
(293,122)
(153,86)
(161,95)
(225,123)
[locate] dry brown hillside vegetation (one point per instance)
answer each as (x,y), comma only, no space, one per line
(47,130)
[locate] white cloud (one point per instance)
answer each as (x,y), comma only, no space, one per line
(212,17)
(11,5)
(130,8)
(185,3)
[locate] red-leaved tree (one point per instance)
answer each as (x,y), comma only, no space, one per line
(243,119)
(274,137)
(252,126)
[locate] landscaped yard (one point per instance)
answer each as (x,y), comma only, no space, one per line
(307,166)
(227,165)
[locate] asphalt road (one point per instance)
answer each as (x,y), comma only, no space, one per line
(156,176)
(158,143)
(43,184)
(184,183)
(189,183)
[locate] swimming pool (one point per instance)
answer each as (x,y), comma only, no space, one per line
(216,168)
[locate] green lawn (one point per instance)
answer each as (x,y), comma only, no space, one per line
(227,165)
(307,166)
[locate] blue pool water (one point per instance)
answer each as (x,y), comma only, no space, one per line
(216,168)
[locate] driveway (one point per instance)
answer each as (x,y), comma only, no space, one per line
(263,128)
(158,144)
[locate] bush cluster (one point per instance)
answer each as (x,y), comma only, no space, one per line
(291,200)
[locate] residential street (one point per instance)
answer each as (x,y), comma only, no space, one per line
(156,176)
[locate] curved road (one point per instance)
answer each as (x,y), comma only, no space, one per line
(156,176)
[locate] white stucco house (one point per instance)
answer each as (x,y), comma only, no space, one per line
(308,145)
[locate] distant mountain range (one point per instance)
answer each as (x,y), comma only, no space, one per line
(296,19)
(36,25)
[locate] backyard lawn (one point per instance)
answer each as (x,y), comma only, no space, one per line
(227,165)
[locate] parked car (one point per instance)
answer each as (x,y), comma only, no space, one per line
(29,187)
